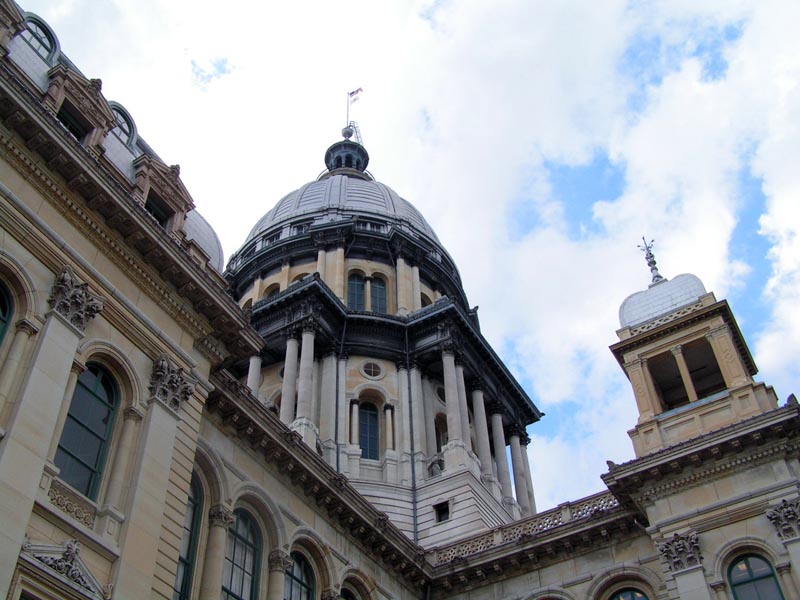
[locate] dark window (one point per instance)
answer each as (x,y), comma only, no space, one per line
(372,369)
(188,548)
(124,127)
(667,380)
(348,595)
(242,556)
(355,292)
(752,578)
(442,511)
(703,368)
(299,582)
(83,446)
(440,426)
(6,310)
(629,594)
(72,121)
(39,38)
(158,209)
(424,300)
(378,295)
(368,434)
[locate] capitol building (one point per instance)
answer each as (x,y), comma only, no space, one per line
(322,418)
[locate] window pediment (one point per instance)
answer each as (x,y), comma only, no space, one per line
(152,174)
(85,95)
(64,564)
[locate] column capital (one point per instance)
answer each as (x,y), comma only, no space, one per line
(784,567)
(718,586)
(131,414)
(72,299)
(330,595)
(785,517)
(171,385)
(494,407)
(681,551)
(388,407)
(77,367)
(220,516)
(25,326)
(516,430)
(355,401)
(279,560)
(310,325)
(476,384)
(291,334)
(676,350)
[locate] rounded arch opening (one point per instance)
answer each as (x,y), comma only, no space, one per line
(38,35)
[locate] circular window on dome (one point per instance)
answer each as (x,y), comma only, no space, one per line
(372,370)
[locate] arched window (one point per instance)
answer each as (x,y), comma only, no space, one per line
(6,310)
(242,556)
(188,548)
(299,583)
(440,428)
(368,430)
(424,300)
(378,295)
(124,128)
(629,594)
(84,441)
(355,292)
(348,595)
(752,578)
(38,37)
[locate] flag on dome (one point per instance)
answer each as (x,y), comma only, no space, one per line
(354,95)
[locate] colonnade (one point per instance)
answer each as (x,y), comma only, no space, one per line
(418,433)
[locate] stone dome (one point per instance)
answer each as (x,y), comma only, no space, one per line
(198,229)
(660,299)
(343,198)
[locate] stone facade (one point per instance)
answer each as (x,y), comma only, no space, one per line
(325,419)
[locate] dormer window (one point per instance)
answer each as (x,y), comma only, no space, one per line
(158,209)
(124,127)
(73,121)
(39,38)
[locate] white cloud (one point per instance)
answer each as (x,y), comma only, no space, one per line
(460,112)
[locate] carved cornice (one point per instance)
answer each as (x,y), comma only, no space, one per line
(681,551)
(170,385)
(72,299)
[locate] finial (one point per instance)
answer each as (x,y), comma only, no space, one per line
(651,260)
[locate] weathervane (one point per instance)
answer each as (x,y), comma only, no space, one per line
(651,260)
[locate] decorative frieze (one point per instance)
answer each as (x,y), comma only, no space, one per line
(171,385)
(786,518)
(72,299)
(66,563)
(72,503)
(681,551)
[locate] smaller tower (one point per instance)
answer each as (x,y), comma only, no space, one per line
(689,366)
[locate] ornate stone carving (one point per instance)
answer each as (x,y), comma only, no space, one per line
(220,516)
(330,595)
(786,518)
(71,503)
(66,563)
(279,561)
(73,300)
(681,551)
(171,385)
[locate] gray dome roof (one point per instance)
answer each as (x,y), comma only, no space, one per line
(197,228)
(660,299)
(341,198)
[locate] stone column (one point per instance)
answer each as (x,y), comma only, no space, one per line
(519,474)
(500,457)
(730,363)
(322,259)
(339,274)
(461,387)
(367,293)
(719,590)
(254,374)
(643,391)
(787,581)
(451,396)
(170,388)
(403,287)
(306,372)
(284,276)
(388,411)
(220,519)
(279,562)
(355,431)
(288,386)
(683,368)
(31,425)
(416,408)
(69,391)
(525,441)
(10,370)
(118,483)
(429,399)
(416,289)
(481,433)
(327,406)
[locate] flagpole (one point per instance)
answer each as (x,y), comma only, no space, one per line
(348,110)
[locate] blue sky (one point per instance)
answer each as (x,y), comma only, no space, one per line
(541,140)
